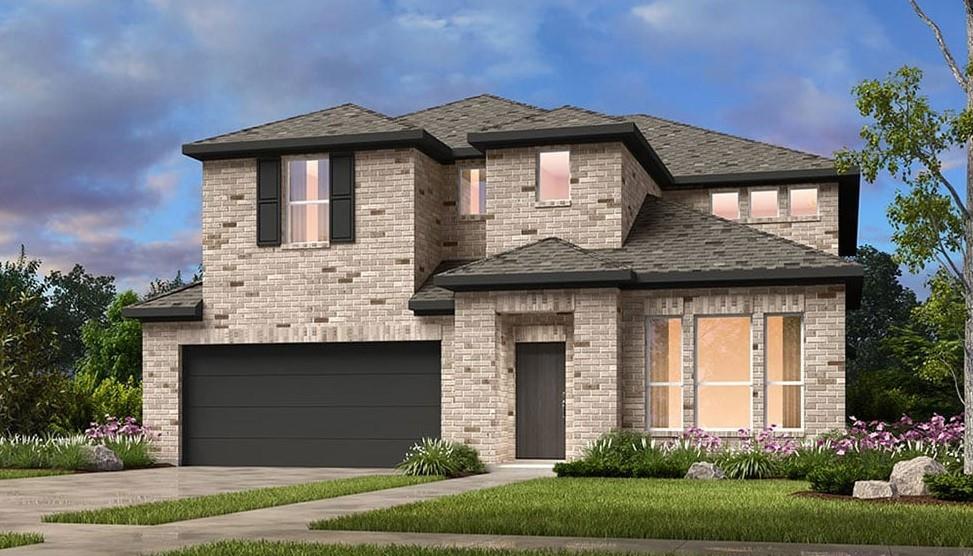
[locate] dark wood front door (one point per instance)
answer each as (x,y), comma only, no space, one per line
(540,400)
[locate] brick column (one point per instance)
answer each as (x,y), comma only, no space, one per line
(161,397)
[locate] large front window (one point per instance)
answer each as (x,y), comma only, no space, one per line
(785,376)
(664,349)
(724,388)
(308,196)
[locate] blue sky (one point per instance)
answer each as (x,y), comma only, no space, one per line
(96,97)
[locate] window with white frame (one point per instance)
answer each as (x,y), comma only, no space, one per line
(472,191)
(554,176)
(664,372)
(803,201)
(308,199)
(724,386)
(763,204)
(726,204)
(785,371)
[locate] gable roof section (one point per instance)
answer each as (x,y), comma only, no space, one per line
(550,260)
(181,304)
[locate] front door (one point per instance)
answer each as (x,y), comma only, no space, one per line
(540,400)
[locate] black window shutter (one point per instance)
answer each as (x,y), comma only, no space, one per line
(343,198)
(268,202)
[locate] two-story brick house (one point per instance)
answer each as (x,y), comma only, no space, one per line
(517,278)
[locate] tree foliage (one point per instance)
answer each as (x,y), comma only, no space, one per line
(113,345)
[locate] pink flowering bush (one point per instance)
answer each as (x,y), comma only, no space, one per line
(939,438)
(114,428)
(130,441)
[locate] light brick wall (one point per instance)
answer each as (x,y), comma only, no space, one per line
(430,191)
(823,311)
(464,237)
(820,232)
(636,184)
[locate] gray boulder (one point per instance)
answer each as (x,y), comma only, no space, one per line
(101,458)
(907,475)
(704,470)
(869,490)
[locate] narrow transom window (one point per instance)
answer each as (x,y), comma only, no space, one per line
(804,201)
(726,205)
(785,372)
(724,384)
(554,176)
(472,191)
(308,200)
(664,350)
(763,204)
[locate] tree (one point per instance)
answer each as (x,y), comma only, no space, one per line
(74,299)
(113,345)
(907,137)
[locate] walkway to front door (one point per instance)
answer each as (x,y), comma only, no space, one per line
(540,400)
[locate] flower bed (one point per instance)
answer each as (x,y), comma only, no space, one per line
(866,451)
(125,437)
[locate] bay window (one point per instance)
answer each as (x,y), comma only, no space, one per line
(785,371)
(308,199)
(664,359)
(724,386)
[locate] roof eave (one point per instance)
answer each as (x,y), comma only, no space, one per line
(625,132)
(535,280)
(431,307)
(412,138)
(182,313)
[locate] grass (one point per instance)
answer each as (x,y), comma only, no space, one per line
(69,452)
(671,509)
(271,548)
(167,511)
(10,540)
(25,473)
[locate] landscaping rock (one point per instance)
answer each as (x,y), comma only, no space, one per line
(868,490)
(907,475)
(704,470)
(101,458)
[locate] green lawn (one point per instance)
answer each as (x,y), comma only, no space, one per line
(10,540)
(269,548)
(24,473)
(167,511)
(672,509)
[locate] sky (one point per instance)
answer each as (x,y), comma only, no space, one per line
(97,97)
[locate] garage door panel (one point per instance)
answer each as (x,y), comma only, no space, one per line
(314,422)
(300,453)
(311,390)
(341,358)
(316,404)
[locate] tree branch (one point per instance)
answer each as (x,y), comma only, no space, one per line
(957,198)
(952,265)
(950,61)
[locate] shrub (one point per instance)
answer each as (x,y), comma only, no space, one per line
(839,476)
(134,452)
(436,456)
(951,486)
(35,452)
(804,460)
(750,464)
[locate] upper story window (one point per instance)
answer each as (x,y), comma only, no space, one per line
(804,201)
(726,204)
(472,191)
(763,204)
(554,176)
(308,199)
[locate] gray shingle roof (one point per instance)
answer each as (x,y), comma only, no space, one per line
(339,120)
(689,150)
(565,116)
(185,303)
(670,239)
(452,121)
(547,255)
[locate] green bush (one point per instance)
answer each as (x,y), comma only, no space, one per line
(951,486)
(631,454)
(134,452)
(750,464)
(839,476)
(804,460)
(436,456)
(34,452)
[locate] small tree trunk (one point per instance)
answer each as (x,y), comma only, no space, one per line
(968,269)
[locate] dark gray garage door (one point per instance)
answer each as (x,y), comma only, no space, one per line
(342,404)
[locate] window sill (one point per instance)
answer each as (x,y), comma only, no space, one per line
(305,246)
(472,217)
(550,204)
(781,220)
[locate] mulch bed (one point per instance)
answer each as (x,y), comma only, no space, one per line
(921,500)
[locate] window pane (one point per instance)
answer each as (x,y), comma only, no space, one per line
(727,205)
(784,405)
(665,356)
(472,191)
(784,348)
(723,349)
(804,202)
(297,172)
(554,176)
(666,406)
(309,180)
(723,407)
(309,222)
(763,204)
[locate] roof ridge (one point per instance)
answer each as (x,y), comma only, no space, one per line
(457,101)
(546,112)
(589,252)
(744,226)
(156,297)
(725,134)
(590,111)
(282,120)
